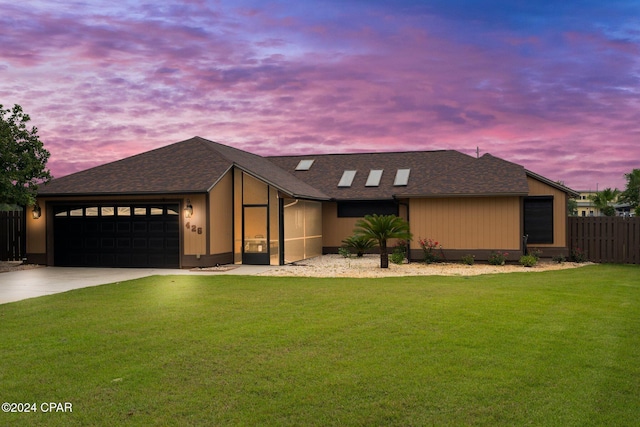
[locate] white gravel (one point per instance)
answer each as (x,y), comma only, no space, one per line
(369,266)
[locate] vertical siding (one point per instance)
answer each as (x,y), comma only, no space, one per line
(37,230)
(221,216)
(467,223)
(195,228)
(560,216)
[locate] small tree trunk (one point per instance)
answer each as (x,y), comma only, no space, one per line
(384,256)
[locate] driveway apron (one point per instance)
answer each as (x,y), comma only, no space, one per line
(23,284)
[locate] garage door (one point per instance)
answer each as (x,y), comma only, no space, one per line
(131,235)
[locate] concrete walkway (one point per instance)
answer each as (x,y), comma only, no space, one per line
(24,284)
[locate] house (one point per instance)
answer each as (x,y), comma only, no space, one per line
(586,207)
(201,203)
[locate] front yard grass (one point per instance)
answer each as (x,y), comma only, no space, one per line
(546,349)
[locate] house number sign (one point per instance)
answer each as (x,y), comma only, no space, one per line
(193,228)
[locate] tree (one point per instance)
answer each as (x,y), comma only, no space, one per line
(572,207)
(603,201)
(631,194)
(23,158)
(382,228)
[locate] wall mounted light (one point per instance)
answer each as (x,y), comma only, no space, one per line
(188,209)
(36,212)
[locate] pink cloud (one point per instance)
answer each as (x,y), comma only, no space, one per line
(102,85)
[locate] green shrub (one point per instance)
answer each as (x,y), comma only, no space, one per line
(498,258)
(560,259)
(399,253)
(528,260)
(397,257)
(429,247)
(468,259)
(579,255)
(535,253)
(358,244)
(344,252)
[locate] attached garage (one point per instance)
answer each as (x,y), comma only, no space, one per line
(198,203)
(117,235)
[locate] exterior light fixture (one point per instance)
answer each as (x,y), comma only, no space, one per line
(188,209)
(36,212)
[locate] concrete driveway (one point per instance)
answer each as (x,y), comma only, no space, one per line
(23,284)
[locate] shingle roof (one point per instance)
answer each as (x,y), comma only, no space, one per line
(190,166)
(433,174)
(195,165)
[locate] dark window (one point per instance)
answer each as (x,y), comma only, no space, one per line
(538,219)
(360,209)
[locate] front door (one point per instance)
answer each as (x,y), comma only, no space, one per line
(255,245)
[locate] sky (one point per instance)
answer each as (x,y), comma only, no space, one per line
(551,85)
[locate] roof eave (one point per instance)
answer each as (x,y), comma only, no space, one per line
(120,194)
(441,195)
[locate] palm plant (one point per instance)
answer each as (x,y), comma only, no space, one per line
(359,244)
(381,228)
(603,199)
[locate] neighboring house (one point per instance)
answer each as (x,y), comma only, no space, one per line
(200,203)
(586,207)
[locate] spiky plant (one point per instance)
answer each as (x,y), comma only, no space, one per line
(359,244)
(381,228)
(604,199)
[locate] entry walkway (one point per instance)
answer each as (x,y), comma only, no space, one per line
(24,284)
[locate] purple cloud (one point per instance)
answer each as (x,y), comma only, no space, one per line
(552,87)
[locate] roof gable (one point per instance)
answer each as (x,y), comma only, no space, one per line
(187,166)
(190,166)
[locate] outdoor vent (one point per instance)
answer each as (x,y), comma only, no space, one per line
(304,165)
(374,178)
(402,177)
(347,179)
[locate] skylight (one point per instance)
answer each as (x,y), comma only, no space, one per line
(374,178)
(347,178)
(402,177)
(304,165)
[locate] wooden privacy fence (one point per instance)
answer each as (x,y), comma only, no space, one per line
(12,236)
(606,239)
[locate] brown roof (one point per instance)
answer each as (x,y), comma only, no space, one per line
(190,166)
(433,174)
(196,165)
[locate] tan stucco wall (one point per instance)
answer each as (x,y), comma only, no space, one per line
(221,215)
(467,222)
(335,229)
(195,228)
(560,217)
(36,230)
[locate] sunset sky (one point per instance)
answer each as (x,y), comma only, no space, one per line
(551,85)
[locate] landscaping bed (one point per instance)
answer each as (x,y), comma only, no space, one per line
(6,266)
(369,266)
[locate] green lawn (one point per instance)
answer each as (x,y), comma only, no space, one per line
(544,349)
